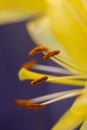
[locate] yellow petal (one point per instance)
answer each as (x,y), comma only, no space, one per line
(68,121)
(13,10)
(75,115)
(40,32)
(68,20)
(65,33)
(84,125)
(80,105)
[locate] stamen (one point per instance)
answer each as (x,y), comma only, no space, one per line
(50,54)
(40,80)
(51,98)
(52,69)
(37,49)
(53,95)
(28,104)
(29,64)
(66,64)
(68,95)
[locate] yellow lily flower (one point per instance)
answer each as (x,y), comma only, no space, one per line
(64,26)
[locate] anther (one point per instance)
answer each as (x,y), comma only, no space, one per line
(30,64)
(50,54)
(37,49)
(40,80)
(28,104)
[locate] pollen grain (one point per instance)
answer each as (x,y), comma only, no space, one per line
(50,54)
(40,80)
(30,64)
(37,49)
(28,104)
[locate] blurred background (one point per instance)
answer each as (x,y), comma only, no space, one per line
(15,44)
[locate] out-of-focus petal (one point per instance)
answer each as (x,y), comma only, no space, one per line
(84,125)
(13,10)
(67,27)
(68,121)
(75,115)
(79,107)
(40,32)
(68,20)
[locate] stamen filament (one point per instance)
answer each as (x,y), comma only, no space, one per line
(51,69)
(53,95)
(59,70)
(68,95)
(66,64)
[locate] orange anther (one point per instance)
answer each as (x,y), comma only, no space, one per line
(34,106)
(50,54)
(28,104)
(40,80)
(29,64)
(37,49)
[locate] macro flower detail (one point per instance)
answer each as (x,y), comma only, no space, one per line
(17,11)
(77,113)
(28,104)
(40,80)
(58,24)
(65,27)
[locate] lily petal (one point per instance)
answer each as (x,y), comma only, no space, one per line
(75,115)
(69,24)
(68,121)
(40,32)
(66,27)
(13,11)
(84,125)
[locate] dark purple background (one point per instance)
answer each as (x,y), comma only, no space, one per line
(15,44)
